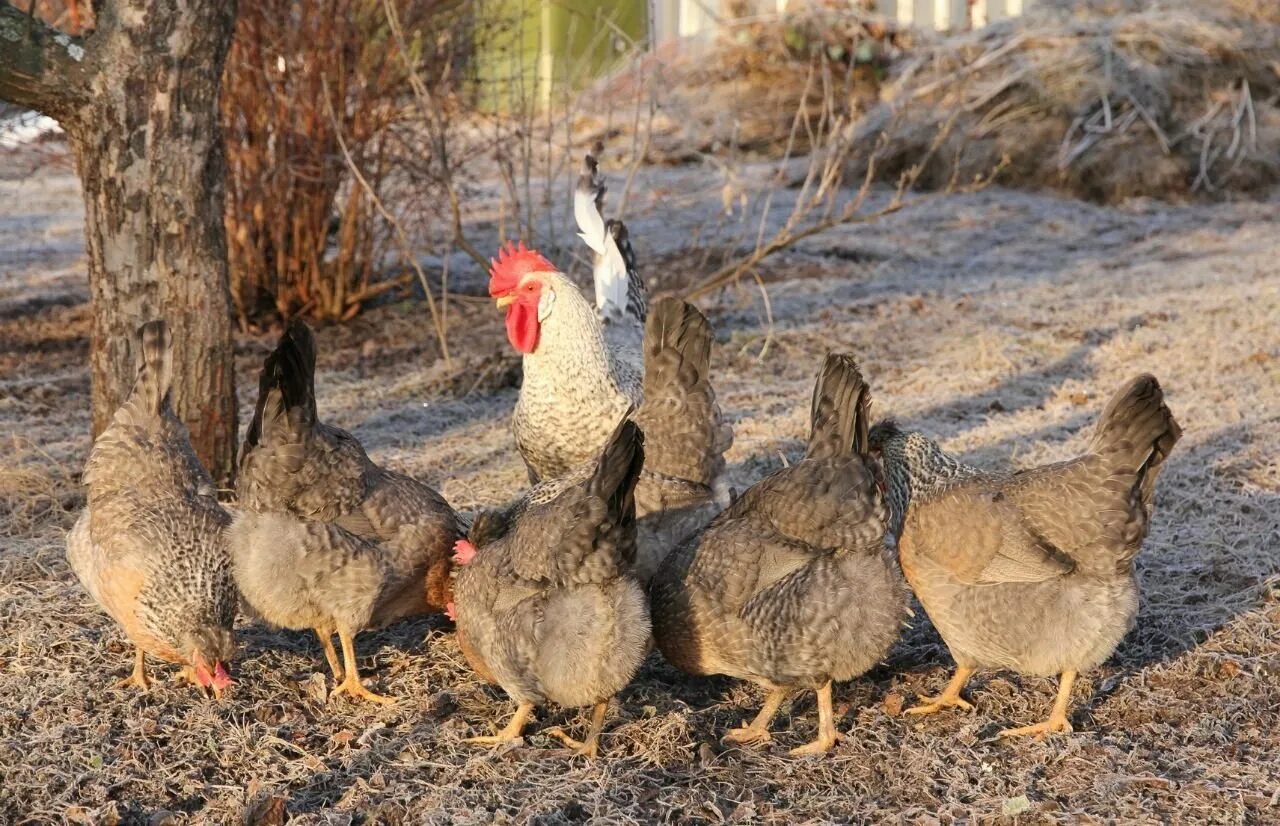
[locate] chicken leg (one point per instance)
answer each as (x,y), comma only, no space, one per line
(1057,721)
(352,684)
(950,696)
(758,730)
(139,676)
(590,746)
(827,734)
(326,642)
(514,728)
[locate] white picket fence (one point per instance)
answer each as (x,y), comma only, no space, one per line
(685,18)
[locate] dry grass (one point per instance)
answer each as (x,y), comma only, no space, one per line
(998,320)
(1107,100)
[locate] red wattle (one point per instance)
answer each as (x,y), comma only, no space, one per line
(522,326)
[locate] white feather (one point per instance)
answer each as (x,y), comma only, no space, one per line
(590,221)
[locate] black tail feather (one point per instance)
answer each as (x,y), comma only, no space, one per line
(288,378)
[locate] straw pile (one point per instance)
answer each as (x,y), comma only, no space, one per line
(1105,100)
(742,91)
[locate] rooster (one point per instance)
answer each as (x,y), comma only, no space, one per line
(583,373)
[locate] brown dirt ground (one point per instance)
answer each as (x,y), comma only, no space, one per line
(999,321)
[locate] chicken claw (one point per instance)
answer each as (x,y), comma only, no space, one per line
(512,731)
(949,698)
(827,734)
(757,732)
(589,747)
(139,676)
(1057,722)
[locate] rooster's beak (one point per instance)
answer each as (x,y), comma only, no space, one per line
(503,300)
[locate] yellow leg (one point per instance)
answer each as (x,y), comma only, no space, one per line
(827,734)
(352,685)
(950,696)
(589,747)
(326,642)
(1057,721)
(139,676)
(758,730)
(514,728)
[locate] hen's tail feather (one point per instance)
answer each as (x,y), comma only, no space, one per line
(618,470)
(155,368)
(687,437)
(286,387)
(1137,430)
(839,416)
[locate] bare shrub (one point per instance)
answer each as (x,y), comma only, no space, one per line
(303,81)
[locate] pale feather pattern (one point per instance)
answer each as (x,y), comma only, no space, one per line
(1032,570)
(550,608)
(148,546)
(397,531)
(790,587)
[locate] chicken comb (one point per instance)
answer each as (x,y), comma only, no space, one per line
(514,262)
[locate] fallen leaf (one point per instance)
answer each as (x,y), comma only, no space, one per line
(1014,806)
(343,737)
(893,704)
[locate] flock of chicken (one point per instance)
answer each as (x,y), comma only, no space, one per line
(628,537)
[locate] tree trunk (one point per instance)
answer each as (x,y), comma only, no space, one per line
(139,102)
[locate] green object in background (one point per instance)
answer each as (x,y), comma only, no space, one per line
(526,50)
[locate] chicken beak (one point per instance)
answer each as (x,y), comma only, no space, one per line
(503,301)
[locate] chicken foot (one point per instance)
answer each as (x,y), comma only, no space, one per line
(950,696)
(326,642)
(139,676)
(589,747)
(1057,721)
(827,734)
(758,730)
(352,684)
(513,730)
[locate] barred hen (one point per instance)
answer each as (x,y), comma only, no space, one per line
(550,610)
(790,587)
(326,539)
(1030,571)
(148,546)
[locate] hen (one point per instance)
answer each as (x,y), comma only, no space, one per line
(583,373)
(549,611)
(1030,571)
(148,546)
(326,539)
(790,587)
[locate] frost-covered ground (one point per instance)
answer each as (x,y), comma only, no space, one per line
(998,321)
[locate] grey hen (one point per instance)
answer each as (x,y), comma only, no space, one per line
(148,547)
(1030,571)
(326,539)
(549,611)
(790,586)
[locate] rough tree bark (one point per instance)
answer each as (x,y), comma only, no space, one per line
(138,99)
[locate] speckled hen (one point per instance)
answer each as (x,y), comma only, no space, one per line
(1030,571)
(550,610)
(326,539)
(148,546)
(791,586)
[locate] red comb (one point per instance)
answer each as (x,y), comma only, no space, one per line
(514,261)
(463,552)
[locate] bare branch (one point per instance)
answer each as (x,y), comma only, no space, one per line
(40,67)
